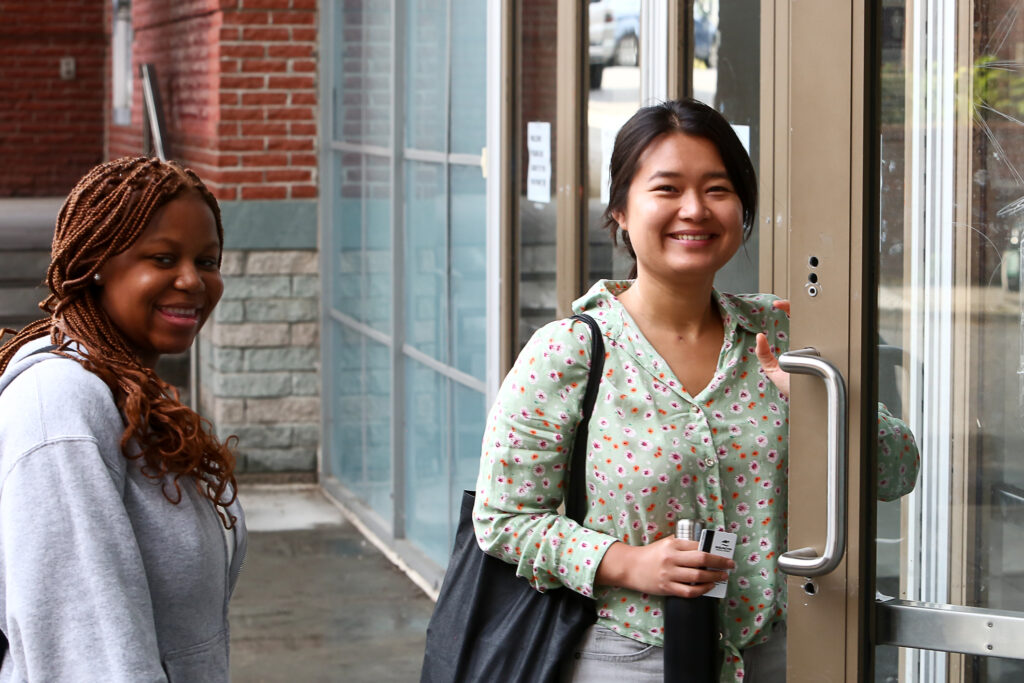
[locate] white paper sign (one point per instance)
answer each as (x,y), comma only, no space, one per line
(743,133)
(538,172)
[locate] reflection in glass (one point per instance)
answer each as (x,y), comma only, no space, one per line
(468,120)
(615,39)
(537,97)
(361,422)
(950,313)
(362,81)
(426,258)
(427,466)
(427,74)
(468,270)
(362,234)
(727,76)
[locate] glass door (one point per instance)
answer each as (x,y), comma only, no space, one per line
(906,214)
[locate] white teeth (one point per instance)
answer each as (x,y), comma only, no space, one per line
(187,312)
(691,238)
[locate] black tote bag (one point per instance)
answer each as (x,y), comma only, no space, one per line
(491,625)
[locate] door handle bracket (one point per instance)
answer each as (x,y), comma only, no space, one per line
(806,561)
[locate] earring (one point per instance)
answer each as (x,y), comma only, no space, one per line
(96,278)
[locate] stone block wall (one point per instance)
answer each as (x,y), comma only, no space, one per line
(260,360)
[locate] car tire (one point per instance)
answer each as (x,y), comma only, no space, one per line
(596,72)
(627,52)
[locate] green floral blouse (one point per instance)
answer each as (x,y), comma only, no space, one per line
(656,454)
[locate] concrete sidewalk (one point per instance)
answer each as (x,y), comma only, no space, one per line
(318,602)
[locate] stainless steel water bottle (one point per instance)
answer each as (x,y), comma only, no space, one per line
(691,628)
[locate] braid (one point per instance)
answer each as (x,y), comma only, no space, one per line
(102,217)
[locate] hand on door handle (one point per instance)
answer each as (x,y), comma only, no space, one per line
(806,561)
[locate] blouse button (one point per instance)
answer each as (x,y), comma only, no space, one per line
(710,462)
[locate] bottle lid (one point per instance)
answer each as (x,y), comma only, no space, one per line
(688,529)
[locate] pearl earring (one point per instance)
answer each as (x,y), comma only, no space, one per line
(96,278)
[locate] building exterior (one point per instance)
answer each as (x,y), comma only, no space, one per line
(411,188)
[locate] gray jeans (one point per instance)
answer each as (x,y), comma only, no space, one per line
(604,656)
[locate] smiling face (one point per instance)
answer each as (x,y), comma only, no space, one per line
(161,290)
(682,214)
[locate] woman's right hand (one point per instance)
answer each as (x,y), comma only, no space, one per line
(670,566)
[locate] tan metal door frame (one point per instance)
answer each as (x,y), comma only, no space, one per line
(818,83)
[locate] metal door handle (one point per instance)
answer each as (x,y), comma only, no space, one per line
(806,561)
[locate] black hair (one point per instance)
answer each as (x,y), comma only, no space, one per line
(677,116)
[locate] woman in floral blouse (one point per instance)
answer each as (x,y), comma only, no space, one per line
(691,419)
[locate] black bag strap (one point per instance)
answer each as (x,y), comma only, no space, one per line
(575,502)
(45,349)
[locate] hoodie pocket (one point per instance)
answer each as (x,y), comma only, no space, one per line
(207,662)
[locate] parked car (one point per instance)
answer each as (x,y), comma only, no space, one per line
(614,36)
(705,36)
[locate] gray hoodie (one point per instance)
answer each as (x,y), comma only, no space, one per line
(101,577)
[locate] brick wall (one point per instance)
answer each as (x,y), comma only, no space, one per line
(51,129)
(238,81)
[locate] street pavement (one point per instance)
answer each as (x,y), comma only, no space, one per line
(318,602)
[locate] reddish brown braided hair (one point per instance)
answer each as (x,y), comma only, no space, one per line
(103,216)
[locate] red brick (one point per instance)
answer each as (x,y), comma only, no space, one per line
(300,128)
(264,128)
(300,18)
(225,129)
(264,65)
(303,98)
(229,66)
(304,35)
(229,99)
(290,51)
(304,4)
(290,175)
(230,33)
(224,194)
(290,113)
(258,98)
(266,4)
(246,144)
(291,144)
(264,192)
(246,18)
(290,82)
(264,160)
(304,192)
(236,176)
(242,82)
(304,160)
(241,114)
(304,66)
(263,34)
(243,50)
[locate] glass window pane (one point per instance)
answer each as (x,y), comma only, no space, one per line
(537,207)
(426,258)
(362,81)
(469,270)
(362,236)
(426,96)
(614,97)
(428,520)
(950,308)
(470,416)
(468,122)
(361,423)
(727,76)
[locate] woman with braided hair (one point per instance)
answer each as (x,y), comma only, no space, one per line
(120,535)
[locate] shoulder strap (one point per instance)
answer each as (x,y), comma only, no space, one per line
(575,504)
(45,349)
